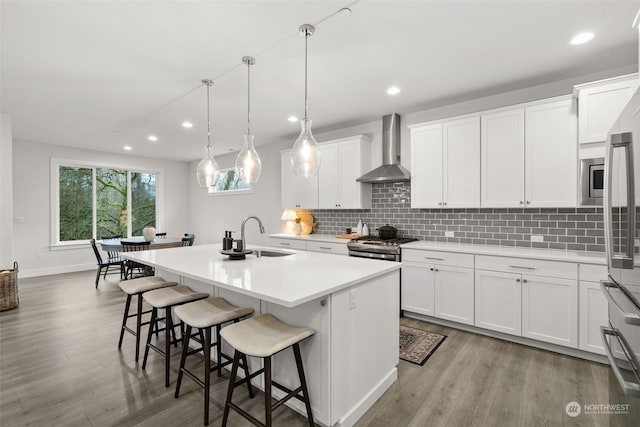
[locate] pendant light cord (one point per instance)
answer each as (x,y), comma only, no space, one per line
(306,101)
(208,83)
(249,98)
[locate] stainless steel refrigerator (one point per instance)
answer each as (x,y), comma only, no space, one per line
(622,289)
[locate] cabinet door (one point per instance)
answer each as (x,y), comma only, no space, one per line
(550,310)
(454,294)
(426,167)
(593,314)
(600,106)
(350,191)
(462,163)
(502,166)
(297,191)
(329,177)
(498,301)
(417,288)
(551,155)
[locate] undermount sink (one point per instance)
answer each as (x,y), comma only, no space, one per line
(271,253)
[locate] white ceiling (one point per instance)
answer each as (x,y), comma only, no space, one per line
(74,72)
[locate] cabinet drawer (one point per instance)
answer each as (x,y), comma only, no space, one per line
(440,258)
(289,243)
(336,248)
(593,273)
(534,267)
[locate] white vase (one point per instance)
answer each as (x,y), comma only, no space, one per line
(149,233)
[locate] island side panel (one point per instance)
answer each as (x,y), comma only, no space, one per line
(315,352)
(365,334)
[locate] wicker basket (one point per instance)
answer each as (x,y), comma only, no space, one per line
(9,288)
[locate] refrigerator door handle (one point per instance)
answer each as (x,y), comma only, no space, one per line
(628,388)
(625,260)
(629,318)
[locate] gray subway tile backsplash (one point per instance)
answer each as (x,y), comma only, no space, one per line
(578,229)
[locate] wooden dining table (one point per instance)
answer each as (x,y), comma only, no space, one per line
(113,245)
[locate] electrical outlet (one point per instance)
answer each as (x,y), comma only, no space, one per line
(352,299)
(448,234)
(537,238)
(637,242)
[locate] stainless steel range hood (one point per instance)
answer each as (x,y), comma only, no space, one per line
(391,169)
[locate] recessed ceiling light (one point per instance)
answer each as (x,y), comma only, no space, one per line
(152,138)
(292,119)
(582,38)
(127,148)
(187,125)
(393,90)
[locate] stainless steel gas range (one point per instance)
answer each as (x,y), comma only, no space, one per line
(375,247)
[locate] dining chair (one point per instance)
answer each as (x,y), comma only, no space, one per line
(188,239)
(112,254)
(130,266)
(161,235)
(106,265)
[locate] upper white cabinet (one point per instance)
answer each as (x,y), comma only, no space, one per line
(344,161)
(445,164)
(502,148)
(600,103)
(297,191)
(551,155)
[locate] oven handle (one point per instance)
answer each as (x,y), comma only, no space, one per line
(628,388)
(629,318)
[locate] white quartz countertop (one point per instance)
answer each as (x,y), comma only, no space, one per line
(507,251)
(326,238)
(288,280)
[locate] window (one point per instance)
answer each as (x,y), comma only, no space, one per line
(229,184)
(92,201)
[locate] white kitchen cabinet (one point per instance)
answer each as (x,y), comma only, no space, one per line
(288,243)
(445,164)
(454,295)
(551,154)
(498,301)
(593,314)
(599,105)
(343,162)
(417,288)
(502,165)
(334,248)
(550,310)
(296,191)
(426,166)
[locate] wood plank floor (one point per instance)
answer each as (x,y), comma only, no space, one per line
(60,365)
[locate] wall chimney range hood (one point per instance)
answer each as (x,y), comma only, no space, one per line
(391,169)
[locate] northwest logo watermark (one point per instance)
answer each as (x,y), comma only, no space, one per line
(573,409)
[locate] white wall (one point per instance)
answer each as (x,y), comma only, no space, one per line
(6,193)
(32,207)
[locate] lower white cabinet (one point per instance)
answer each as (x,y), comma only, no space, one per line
(334,248)
(289,243)
(454,297)
(417,288)
(550,310)
(593,314)
(498,301)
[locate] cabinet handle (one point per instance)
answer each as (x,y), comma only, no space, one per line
(436,259)
(431,269)
(325,247)
(323,302)
(528,202)
(518,280)
(525,281)
(444,203)
(521,202)
(439,203)
(522,268)
(285,244)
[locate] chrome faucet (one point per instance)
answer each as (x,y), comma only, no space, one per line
(242,241)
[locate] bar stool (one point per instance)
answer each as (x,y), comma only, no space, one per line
(166,298)
(263,336)
(205,315)
(138,287)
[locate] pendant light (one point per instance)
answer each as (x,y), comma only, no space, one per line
(306,155)
(208,170)
(248,163)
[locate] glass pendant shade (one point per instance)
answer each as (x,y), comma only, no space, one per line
(306,155)
(208,171)
(248,163)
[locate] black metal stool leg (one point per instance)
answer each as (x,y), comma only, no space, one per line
(183,358)
(303,382)
(124,319)
(167,344)
(232,380)
(138,326)
(246,375)
(152,323)
(268,408)
(207,372)
(219,350)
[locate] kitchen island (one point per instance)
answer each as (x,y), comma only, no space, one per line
(351,303)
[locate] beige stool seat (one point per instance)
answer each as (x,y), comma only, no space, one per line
(144,284)
(137,287)
(210,312)
(170,296)
(263,336)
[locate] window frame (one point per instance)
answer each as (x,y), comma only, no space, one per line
(56,163)
(237,192)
